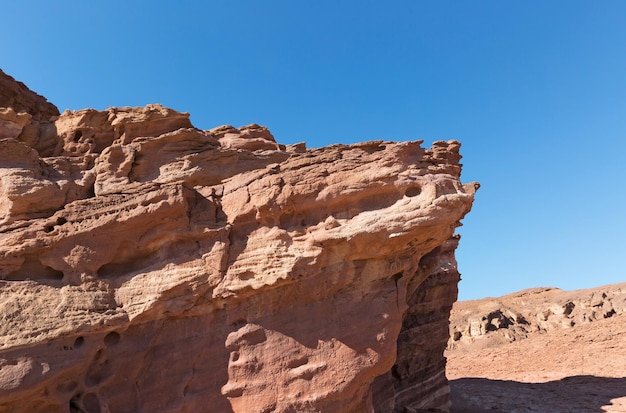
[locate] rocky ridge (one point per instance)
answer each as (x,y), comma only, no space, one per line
(147,265)
(514,317)
(568,355)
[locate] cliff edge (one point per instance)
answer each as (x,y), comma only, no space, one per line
(149,266)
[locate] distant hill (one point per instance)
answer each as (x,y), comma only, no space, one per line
(542,349)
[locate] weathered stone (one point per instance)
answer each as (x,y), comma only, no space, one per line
(149,266)
(16,95)
(491,322)
(541,351)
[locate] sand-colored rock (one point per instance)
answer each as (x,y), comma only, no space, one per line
(555,366)
(493,321)
(148,266)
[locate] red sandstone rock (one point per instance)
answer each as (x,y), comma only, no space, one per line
(17,96)
(147,266)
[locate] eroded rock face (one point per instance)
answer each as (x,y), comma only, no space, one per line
(20,98)
(542,349)
(491,322)
(146,265)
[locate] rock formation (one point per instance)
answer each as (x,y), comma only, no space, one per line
(542,349)
(21,99)
(148,266)
(493,321)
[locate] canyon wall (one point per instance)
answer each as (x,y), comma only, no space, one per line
(149,266)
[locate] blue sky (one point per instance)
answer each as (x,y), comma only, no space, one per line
(535,91)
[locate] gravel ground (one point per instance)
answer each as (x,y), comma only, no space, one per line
(576,370)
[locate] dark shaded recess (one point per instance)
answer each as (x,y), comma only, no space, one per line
(132,260)
(413,191)
(112,338)
(91,191)
(79,342)
(128,266)
(375,146)
(75,404)
(77,136)
(568,308)
(59,221)
(33,269)
(368,200)
(490,327)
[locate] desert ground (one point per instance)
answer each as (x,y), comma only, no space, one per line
(559,368)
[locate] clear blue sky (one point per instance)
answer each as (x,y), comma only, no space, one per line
(535,91)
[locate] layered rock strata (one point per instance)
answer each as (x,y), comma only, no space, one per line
(148,266)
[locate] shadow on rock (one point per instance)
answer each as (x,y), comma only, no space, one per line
(571,394)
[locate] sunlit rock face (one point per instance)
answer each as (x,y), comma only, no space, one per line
(148,266)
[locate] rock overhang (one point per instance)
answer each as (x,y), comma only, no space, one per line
(133,221)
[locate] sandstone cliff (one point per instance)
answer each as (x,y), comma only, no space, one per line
(148,266)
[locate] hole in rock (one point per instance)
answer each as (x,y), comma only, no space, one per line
(129,259)
(75,404)
(292,220)
(79,342)
(77,136)
(413,191)
(246,275)
(112,338)
(33,269)
(61,221)
(568,308)
(457,336)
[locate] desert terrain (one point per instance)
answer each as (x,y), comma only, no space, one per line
(540,350)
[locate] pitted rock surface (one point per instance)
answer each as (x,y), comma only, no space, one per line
(149,266)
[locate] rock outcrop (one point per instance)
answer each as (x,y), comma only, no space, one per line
(542,349)
(17,96)
(148,266)
(491,322)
